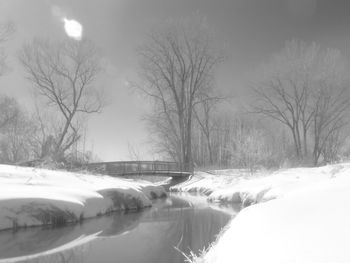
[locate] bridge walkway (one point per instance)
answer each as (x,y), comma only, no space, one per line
(133,168)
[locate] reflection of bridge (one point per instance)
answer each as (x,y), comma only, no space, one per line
(135,168)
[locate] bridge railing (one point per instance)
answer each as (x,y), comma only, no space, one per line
(134,167)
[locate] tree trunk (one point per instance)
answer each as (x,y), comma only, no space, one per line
(305,142)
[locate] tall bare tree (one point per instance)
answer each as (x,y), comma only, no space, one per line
(284,94)
(64,75)
(303,85)
(176,70)
(332,109)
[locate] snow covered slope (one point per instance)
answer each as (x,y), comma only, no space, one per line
(241,187)
(207,182)
(300,215)
(32,196)
(309,224)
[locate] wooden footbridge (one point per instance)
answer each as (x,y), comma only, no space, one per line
(139,168)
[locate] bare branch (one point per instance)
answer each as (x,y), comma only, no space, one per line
(64,74)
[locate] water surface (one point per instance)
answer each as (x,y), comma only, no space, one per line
(155,235)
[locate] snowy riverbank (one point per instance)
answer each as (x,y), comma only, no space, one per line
(306,218)
(32,196)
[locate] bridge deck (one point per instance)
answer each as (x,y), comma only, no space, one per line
(160,173)
(133,168)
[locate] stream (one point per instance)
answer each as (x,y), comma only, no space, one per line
(160,234)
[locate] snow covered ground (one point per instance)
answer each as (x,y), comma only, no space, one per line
(306,218)
(32,196)
(239,186)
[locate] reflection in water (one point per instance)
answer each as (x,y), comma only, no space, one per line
(35,240)
(148,236)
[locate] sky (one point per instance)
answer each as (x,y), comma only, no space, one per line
(249,32)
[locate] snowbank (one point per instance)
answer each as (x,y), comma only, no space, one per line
(308,224)
(31,196)
(206,183)
(242,188)
(306,218)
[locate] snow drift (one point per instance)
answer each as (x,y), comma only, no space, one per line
(299,215)
(309,224)
(32,196)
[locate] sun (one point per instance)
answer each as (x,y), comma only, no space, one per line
(73,28)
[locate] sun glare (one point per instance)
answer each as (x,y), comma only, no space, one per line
(73,28)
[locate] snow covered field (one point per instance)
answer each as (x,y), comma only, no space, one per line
(306,218)
(32,196)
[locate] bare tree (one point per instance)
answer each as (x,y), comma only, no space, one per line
(332,107)
(285,92)
(16,131)
(15,143)
(249,149)
(164,138)
(176,70)
(64,75)
(9,111)
(294,93)
(205,119)
(8,106)
(221,139)
(47,130)
(248,143)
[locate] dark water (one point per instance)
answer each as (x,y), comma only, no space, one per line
(150,236)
